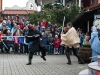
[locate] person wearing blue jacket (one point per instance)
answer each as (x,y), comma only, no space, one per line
(44,39)
(9,24)
(95,44)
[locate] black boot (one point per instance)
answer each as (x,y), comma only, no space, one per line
(80,61)
(77,55)
(68,57)
(43,55)
(43,58)
(29,62)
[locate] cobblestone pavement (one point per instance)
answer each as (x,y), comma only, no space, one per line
(11,64)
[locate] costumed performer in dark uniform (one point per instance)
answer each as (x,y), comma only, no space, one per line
(36,44)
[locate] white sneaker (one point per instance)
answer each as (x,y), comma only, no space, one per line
(58,53)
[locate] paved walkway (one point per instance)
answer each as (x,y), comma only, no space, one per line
(11,64)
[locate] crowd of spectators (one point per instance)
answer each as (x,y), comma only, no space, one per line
(14,26)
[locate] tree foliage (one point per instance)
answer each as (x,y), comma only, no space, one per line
(34,18)
(48,6)
(55,15)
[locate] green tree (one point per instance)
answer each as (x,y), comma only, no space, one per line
(55,15)
(34,18)
(73,11)
(48,6)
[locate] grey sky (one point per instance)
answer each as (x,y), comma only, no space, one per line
(11,3)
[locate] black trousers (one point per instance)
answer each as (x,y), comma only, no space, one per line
(21,48)
(1,47)
(32,53)
(26,48)
(16,47)
(74,50)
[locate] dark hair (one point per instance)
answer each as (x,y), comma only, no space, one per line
(69,24)
(87,33)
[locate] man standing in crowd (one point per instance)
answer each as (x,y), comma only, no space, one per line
(35,46)
(71,39)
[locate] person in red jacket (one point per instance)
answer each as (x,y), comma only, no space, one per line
(57,42)
(21,24)
(1,44)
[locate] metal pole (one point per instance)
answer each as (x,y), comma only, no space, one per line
(63,24)
(88,26)
(64,3)
(76,2)
(80,3)
(4,44)
(41,4)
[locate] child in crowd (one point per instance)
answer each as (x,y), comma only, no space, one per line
(81,40)
(10,38)
(16,41)
(50,41)
(56,44)
(86,41)
(21,41)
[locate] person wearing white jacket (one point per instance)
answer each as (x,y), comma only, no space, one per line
(71,40)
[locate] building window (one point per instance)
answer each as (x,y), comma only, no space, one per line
(98,1)
(31,6)
(92,1)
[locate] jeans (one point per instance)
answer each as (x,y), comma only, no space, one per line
(26,48)
(61,49)
(11,45)
(56,51)
(21,48)
(50,49)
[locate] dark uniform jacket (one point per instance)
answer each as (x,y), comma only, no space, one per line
(35,40)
